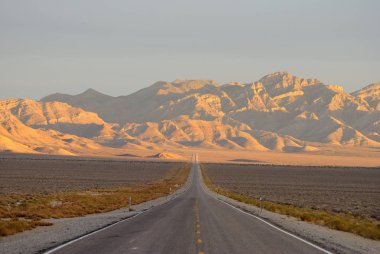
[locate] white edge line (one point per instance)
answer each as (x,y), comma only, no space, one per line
(93,232)
(283,231)
(123,220)
(262,220)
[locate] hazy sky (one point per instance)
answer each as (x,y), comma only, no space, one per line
(118,47)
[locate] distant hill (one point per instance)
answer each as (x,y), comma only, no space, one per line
(168,156)
(89,100)
(279,112)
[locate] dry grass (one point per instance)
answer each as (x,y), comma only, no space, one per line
(362,226)
(20,212)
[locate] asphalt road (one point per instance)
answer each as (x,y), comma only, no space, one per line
(194,222)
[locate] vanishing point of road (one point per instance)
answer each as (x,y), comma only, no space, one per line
(194,222)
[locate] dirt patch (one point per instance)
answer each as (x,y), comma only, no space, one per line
(53,175)
(348,190)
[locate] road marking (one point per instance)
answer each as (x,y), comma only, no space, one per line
(203,186)
(198,226)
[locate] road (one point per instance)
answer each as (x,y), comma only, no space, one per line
(194,222)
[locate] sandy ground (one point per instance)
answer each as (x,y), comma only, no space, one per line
(327,156)
(363,157)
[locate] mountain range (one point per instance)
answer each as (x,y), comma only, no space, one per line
(280,112)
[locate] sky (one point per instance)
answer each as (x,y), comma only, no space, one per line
(118,47)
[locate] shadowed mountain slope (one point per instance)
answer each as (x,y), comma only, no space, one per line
(279,112)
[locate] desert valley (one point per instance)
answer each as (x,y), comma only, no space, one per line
(305,152)
(191,127)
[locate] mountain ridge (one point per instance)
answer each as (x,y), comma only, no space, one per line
(279,112)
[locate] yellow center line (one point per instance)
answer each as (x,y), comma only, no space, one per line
(198,226)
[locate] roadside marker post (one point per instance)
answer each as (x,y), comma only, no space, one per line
(170,192)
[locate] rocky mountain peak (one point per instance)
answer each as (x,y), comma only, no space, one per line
(371,94)
(92,93)
(282,82)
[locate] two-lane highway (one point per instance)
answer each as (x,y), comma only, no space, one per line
(194,222)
